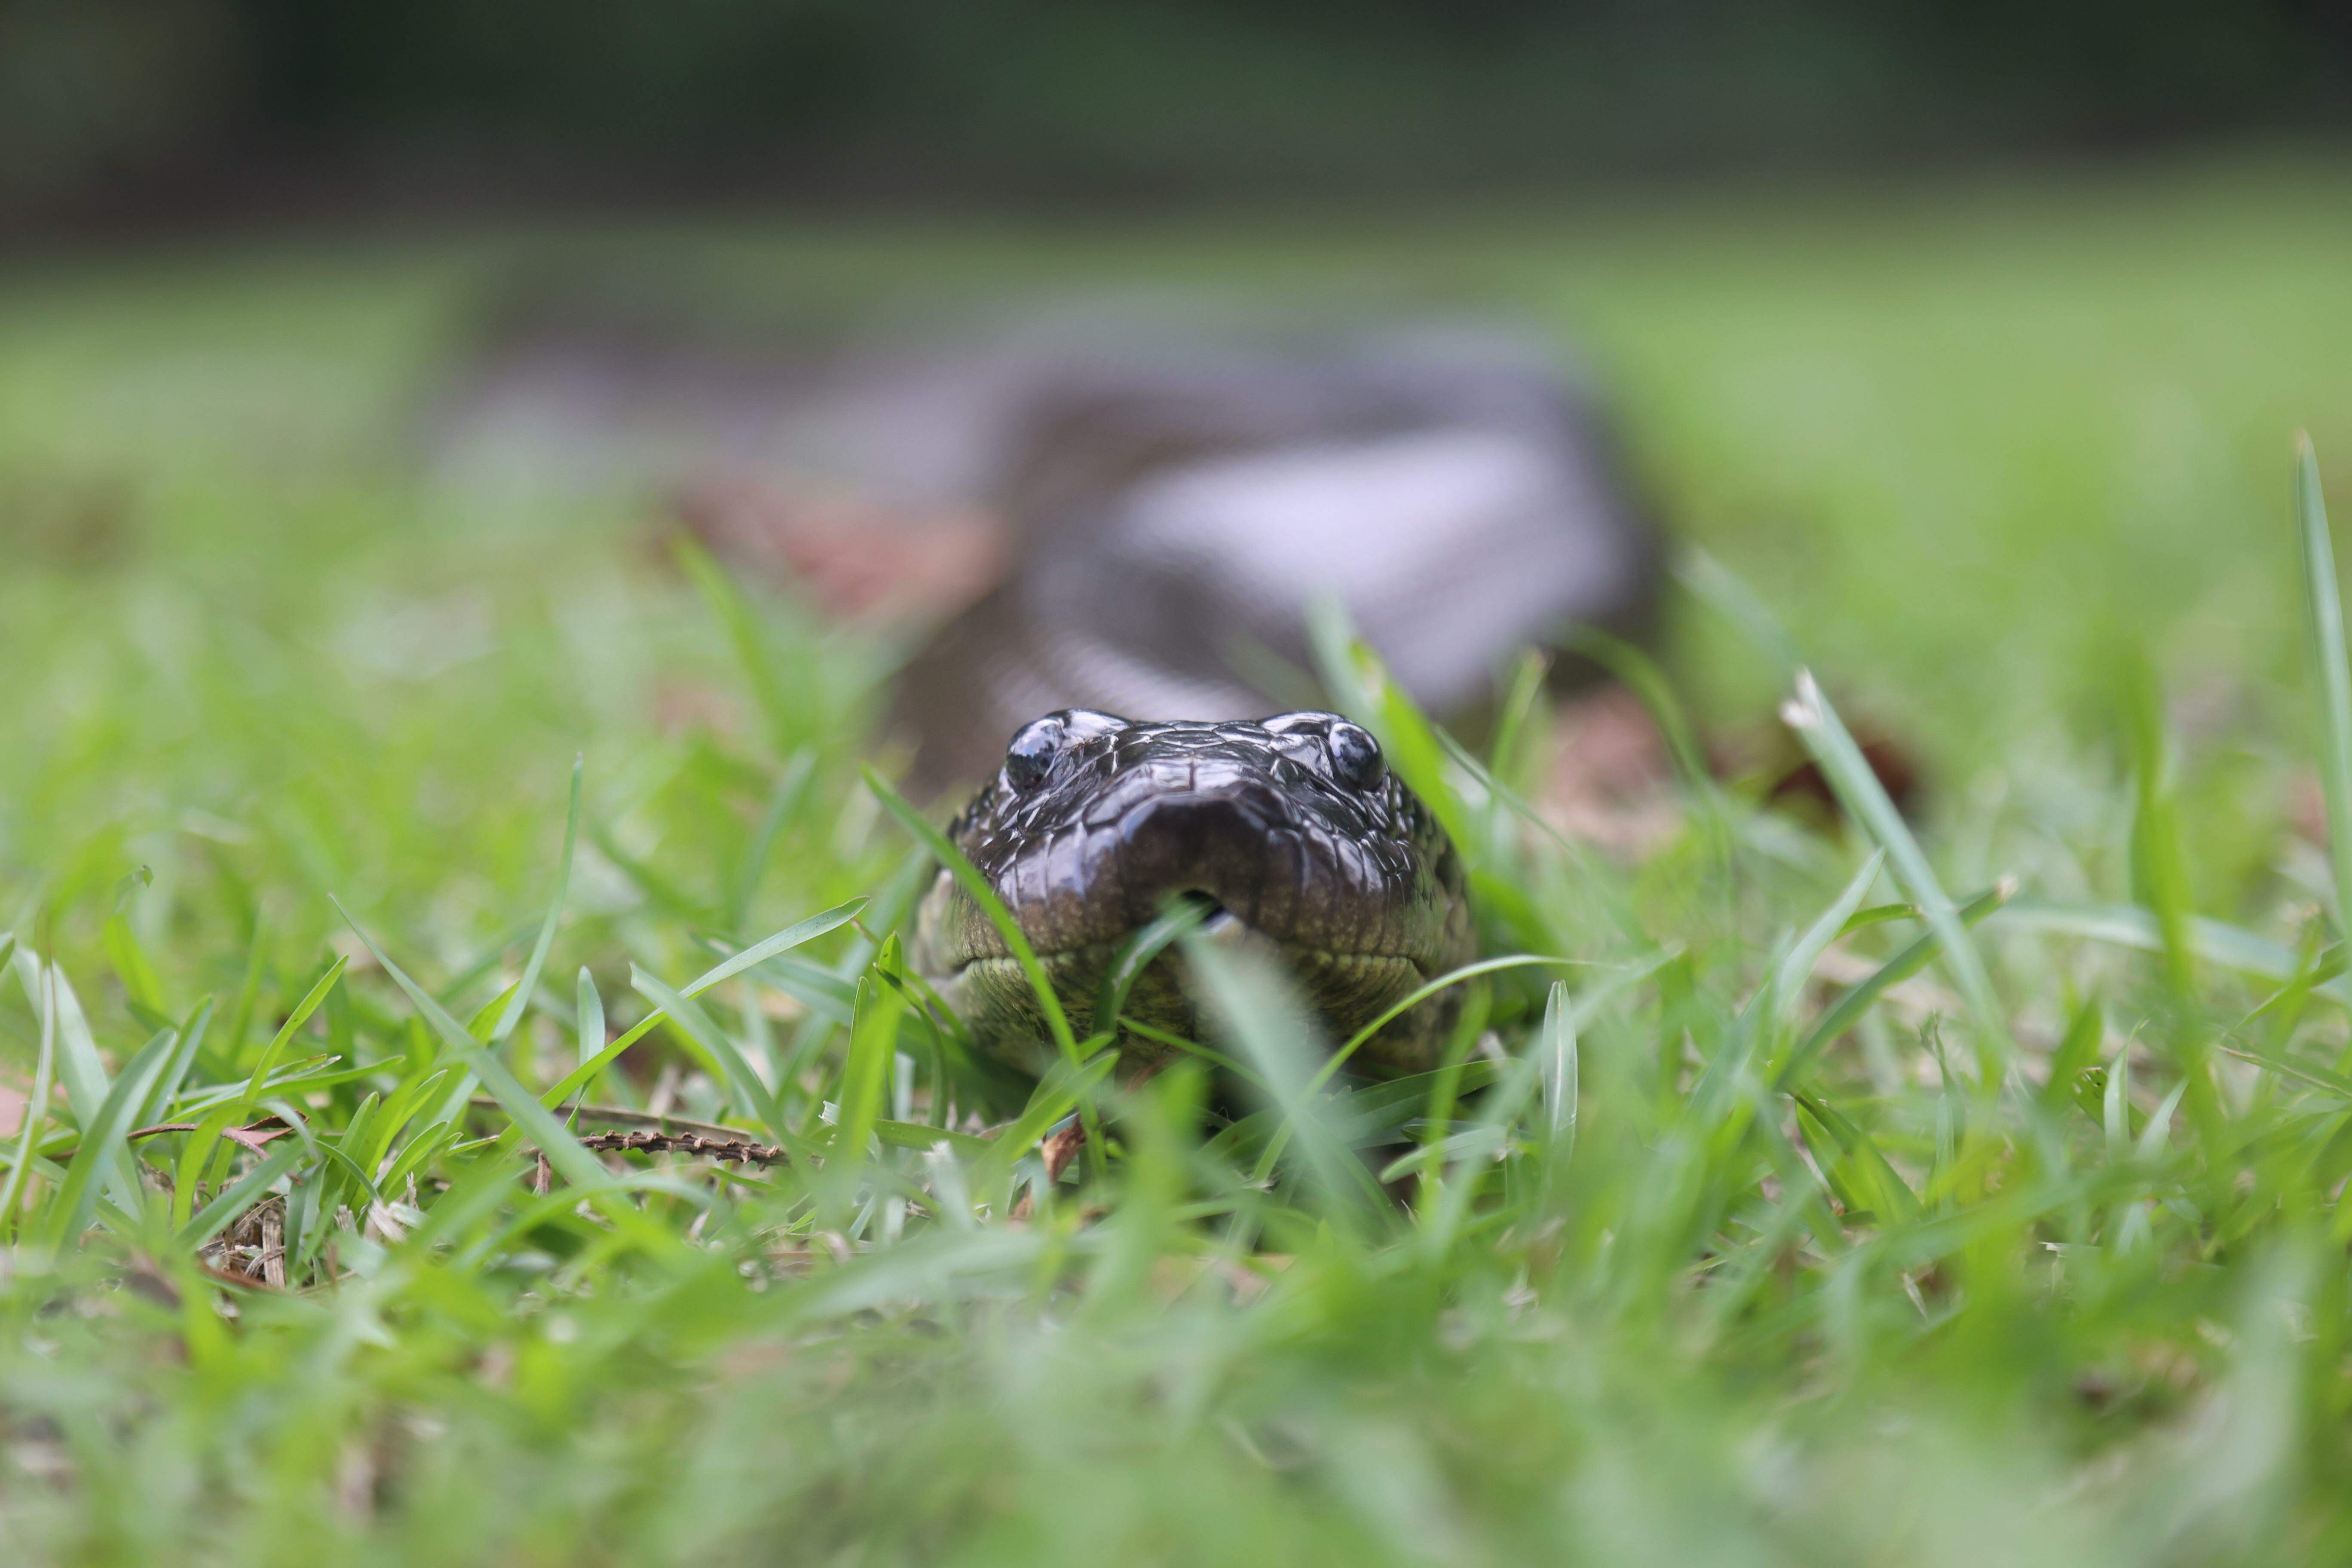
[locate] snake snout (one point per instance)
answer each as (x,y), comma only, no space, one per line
(1216,848)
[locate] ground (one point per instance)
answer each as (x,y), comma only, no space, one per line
(2038,1261)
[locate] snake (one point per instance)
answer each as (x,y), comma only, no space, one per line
(1183,523)
(1290,836)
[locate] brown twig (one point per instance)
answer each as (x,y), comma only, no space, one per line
(740,1149)
(251,1136)
(632,1118)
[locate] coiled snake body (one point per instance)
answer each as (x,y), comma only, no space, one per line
(1145,515)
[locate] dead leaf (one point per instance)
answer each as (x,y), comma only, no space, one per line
(1062,1148)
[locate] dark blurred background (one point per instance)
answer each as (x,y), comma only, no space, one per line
(133,111)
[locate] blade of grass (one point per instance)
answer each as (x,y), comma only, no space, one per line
(2160,860)
(249,993)
(1415,748)
(1332,637)
(1556,1049)
(1512,714)
(191,1040)
(752,1095)
(1486,1140)
(2127,925)
(788,720)
(233,1201)
(405,1102)
(197,1154)
(581,1076)
(591,1016)
(894,902)
(2076,1052)
(132,966)
(1240,1070)
(1128,965)
(1715,585)
(2158,1131)
(563,1152)
(1796,968)
(520,999)
(975,886)
(2316,1077)
(1817,725)
(79,1067)
(1017,942)
(1878,914)
(2323,619)
(1894,1201)
(790,936)
(103,1140)
(294,1020)
(1848,1009)
(865,1077)
(1262,1015)
(37,1105)
(791,788)
(1339,1058)
(2117,1107)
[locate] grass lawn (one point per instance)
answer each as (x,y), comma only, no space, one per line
(1819,1212)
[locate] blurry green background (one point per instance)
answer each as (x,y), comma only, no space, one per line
(126,107)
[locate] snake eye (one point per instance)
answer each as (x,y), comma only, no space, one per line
(1031,752)
(1355,755)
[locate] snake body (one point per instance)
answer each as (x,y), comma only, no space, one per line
(1184,517)
(1291,829)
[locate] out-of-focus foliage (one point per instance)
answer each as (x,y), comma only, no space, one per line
(229,98)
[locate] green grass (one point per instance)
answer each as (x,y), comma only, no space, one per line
(1849,1199)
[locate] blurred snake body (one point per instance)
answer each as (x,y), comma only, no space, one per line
(1290,832)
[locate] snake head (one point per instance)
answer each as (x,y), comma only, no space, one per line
(1291,830)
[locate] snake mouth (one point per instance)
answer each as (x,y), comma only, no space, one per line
(1212,917)
(1213,923)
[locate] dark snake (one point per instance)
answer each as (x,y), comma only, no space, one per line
(1292,834)
(1173,503)
(1290,829)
